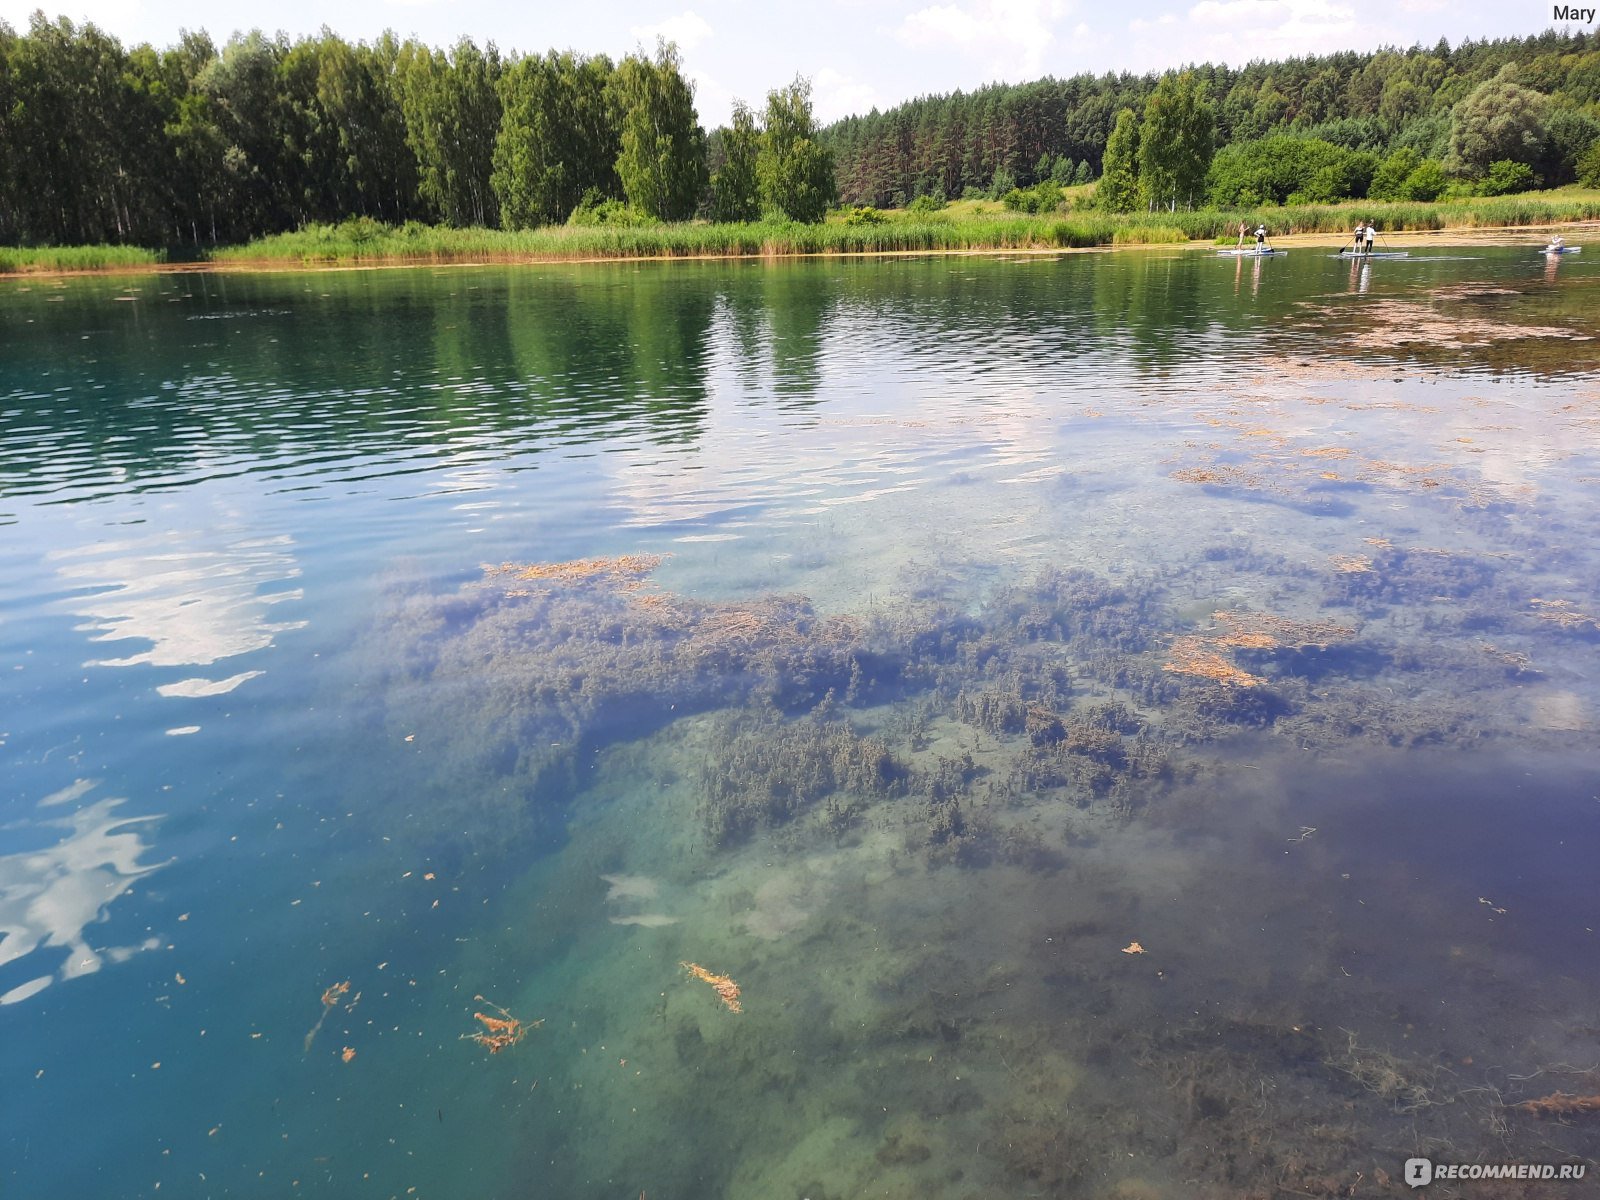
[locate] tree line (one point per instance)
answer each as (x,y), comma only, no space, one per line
(1319,127)
(204,144)
(201,144)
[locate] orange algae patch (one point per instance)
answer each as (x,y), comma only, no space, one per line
(347,1054)
(1201,654)
(1193,655)
(1352,564)
(1247,628)
(1562,613)
(628,570)
(499,1033)
(727,990)
(1559,1105)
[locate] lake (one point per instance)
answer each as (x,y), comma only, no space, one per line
(1098,725)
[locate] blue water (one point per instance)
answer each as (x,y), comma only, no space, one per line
(266,725)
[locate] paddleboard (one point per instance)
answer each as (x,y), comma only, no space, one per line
(1251,253)
(1563,250)
(1374,254)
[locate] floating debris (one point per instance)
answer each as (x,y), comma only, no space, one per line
(1559,1104)
(1134,948)
(499,1033)
(347,1054)
(330,1001)
(727,990)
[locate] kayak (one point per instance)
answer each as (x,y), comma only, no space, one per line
(1251,253)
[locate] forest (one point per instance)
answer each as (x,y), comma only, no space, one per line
(200,145)
(1311,129)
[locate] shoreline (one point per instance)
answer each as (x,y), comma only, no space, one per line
(1459,236)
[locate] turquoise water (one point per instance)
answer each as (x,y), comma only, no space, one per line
(905,640)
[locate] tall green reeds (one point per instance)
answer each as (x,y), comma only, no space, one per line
(14,261)
(366,241)
(902,232)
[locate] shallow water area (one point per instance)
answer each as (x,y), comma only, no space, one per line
(1108,725)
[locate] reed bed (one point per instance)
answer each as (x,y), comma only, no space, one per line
(898,233)
(56,259)
(362,241)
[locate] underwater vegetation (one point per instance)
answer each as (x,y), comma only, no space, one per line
(726,989)
(762,770)
(1074,687)
(526,671)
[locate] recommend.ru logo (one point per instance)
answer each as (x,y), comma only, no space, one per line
(1422,1171)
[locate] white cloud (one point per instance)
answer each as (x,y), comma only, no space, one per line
(688,29)
(1010,37)
(1267,28)
(1140,24)
(109,15)
(835,94)
(1238,31)
(712,100)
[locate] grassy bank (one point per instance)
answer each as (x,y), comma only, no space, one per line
(896,231)
(965,226)
(59,259)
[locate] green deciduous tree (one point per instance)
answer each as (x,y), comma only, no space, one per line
(452,109)
(736,190)
(1506,177)
(1499,119)
(558,138)
(1287,169)
(1175,142)
(1388,181)
(794,167)
(1589,166)
(1427,182)
(1568,132)
(662,164)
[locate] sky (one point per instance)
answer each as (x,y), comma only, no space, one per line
(857,53)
